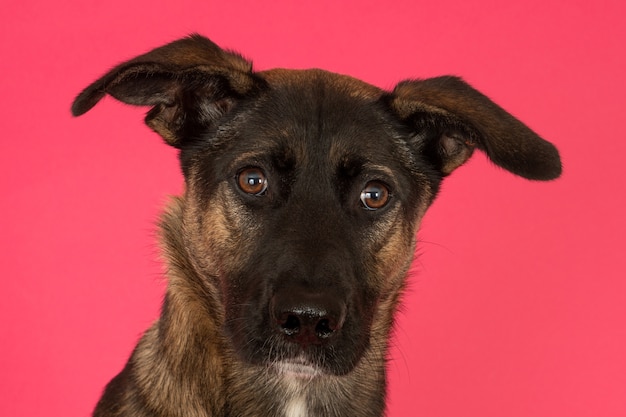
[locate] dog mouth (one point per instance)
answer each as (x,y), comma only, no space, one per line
(304,351)
(299,368)
(299,331)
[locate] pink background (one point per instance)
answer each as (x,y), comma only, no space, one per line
(517,304)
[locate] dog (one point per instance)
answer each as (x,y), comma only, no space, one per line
(287,253)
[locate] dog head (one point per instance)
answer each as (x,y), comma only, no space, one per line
(304,189)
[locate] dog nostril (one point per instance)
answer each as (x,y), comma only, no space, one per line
(323,329)
(307,327)
(290,324)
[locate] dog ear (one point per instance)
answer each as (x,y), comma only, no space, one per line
(188,82)
(461,118)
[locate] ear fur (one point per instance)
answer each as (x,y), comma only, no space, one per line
(188,81)
(463,118)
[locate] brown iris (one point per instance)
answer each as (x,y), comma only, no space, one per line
(375,195)
(252,181)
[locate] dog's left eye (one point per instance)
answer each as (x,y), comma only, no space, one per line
(375,195)
(252,181)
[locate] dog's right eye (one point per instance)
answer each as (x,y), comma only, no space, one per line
(252,181)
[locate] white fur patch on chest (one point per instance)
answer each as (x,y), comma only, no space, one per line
(296,407)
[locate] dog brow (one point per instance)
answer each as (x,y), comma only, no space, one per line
(369,166)
(252,157)
(353,165)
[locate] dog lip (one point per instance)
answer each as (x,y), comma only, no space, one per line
(298,368)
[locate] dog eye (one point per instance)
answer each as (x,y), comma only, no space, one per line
(252,181)
(375,195)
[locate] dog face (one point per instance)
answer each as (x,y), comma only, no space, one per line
(302,208)
(304,190)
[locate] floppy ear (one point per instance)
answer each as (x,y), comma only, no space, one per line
(461,118)
(188,82)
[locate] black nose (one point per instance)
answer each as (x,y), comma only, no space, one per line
(307,317)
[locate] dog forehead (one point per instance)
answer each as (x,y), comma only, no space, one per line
(319,114)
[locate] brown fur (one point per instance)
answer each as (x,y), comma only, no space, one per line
(241,267)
